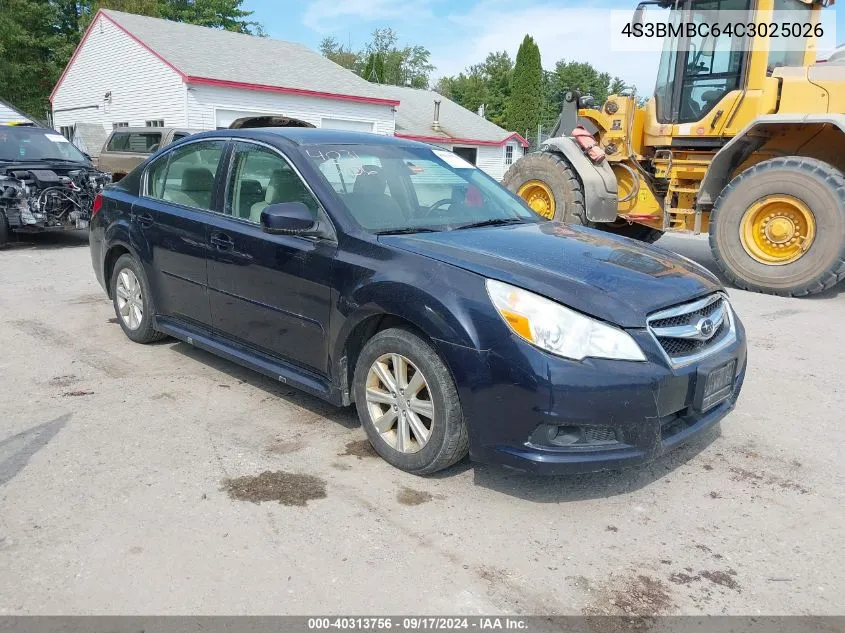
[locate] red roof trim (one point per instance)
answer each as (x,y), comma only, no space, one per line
(207,81)
(468,141)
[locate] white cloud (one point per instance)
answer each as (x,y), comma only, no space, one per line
(326,16)
(561,33)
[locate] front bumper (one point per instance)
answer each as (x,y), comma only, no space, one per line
(630,412)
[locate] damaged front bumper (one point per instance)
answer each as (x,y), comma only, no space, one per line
(37,199)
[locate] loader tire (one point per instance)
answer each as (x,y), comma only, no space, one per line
(639,232)
(555,173)
(742,233)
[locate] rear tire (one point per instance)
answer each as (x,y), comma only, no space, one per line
(818,186)
(551,169)
(444,440)
(133,304)
(4,230)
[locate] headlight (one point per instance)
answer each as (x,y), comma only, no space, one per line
(559,330)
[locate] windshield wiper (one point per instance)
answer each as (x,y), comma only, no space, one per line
(492,222)
(405,231)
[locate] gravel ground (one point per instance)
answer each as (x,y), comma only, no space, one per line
(131,480)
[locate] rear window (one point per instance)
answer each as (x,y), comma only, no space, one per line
(136,142)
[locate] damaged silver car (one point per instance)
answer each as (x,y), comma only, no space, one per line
(46,183)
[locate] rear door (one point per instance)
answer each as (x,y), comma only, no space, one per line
(270,292)
(179,197)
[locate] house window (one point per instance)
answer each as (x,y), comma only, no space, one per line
(67,131)
(508,154)
(120,124)
(155,123)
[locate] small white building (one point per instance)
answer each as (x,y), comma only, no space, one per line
(132,70)
(9,115)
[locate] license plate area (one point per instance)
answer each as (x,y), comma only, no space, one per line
(714,385)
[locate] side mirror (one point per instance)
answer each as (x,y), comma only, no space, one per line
(287,218)
(639,15)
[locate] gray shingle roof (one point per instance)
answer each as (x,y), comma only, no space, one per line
(415,115)
(200,52)
(197,51)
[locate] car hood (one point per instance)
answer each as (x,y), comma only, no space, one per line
(609,277)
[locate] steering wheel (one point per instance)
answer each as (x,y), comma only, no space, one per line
(435,208)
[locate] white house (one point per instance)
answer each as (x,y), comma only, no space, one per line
(131,70)
(9,115)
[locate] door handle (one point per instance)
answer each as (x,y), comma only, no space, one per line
(221,241)
(145,219)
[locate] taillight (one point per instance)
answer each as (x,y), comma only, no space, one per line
(98,204)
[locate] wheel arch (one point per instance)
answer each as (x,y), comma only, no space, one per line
(598,180)
(770,136)
(116,249)
(422,313)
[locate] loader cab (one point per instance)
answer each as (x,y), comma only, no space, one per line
(703,77)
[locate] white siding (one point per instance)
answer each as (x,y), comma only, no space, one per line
(491,158)
(142,87)
(205,101)
(7,115)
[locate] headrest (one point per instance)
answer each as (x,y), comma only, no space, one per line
(284,186)
(197,179)
(370,181)
(251,188)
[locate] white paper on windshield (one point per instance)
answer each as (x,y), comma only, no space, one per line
(453,160)
(57,138)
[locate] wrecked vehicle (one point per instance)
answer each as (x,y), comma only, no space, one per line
(46,183)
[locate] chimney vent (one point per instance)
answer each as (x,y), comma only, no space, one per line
(436,123)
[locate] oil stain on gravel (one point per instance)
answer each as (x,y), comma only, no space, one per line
(410,497)
(359,449)
(290,489)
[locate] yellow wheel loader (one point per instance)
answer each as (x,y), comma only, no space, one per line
(744,142)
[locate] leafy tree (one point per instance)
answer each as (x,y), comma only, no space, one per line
(486,83)
(407,66)
(374,70)
(338,53)
(216,14)
(525,103)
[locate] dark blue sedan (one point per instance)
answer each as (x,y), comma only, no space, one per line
(393,275)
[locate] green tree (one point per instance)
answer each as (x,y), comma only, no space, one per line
(32,54)
(217,14)
(374,70)
(525,103)
(486,83)
(406,66)
(338,53)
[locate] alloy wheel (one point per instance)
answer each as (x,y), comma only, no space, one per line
(399,403)
(130,302)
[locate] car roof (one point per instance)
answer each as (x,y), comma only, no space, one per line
(315,136)
(141,128)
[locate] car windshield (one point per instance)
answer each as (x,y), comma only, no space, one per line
(394,189)
(20,144)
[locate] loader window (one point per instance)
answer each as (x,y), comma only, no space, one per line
(696,72)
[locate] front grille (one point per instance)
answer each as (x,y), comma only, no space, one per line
(686,333)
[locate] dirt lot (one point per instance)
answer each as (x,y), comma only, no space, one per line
(159,479)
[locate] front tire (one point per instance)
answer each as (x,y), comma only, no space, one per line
(549,185)
(132,301)
(408,403)
(779,227)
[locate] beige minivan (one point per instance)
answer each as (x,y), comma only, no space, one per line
(128,147)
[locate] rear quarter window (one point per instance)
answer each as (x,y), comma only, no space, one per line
(135,142)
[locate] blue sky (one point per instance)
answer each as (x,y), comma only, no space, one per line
(460,33)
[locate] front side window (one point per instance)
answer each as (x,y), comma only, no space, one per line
(186,175)
(135,142)
(388,188)
(261,177)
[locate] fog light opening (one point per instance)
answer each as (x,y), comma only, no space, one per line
(565,435)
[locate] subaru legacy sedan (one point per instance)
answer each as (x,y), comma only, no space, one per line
(397,277)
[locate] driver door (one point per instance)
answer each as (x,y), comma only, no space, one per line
(269,292)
